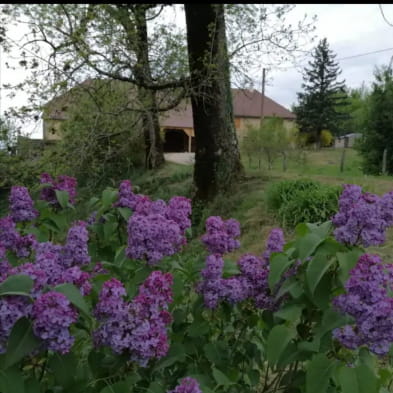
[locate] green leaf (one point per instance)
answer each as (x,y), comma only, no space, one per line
(330,320)
(221,378)
(11,381)
(215,351)
(357,380)
(347,261)
(108,197)
(120,256)
(64,368)
(20,284)
(154,387)
(322,230)
(308,244)
(74,296)
(301,229)
(198,328)
(319,370)
(316,268)
(62,198)
(20,343)
(290,313)
(278,339)
(109,230)
(125,212)
(176,353)
(292,286)
(279,263)
(117,387)
(230,268)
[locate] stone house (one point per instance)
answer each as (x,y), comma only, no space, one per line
(177,124)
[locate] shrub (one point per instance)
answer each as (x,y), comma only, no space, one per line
(296,201)
(326,138)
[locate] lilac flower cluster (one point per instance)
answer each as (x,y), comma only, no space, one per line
(52,316)
(153,237)
(156,229)
(187,385)
(367,300)
(137,328)
(11,240)
(220,235)
(21,205)
(275,242)
(363,217)
(62,183)
(251,283)
(75,251)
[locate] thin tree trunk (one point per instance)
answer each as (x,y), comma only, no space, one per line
(154,152)
(342,162)
(217,157)
(384,161)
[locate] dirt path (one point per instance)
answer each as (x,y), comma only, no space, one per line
(180,158)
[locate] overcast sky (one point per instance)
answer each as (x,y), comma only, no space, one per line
(351,30)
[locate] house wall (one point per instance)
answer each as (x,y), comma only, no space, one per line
(52,129)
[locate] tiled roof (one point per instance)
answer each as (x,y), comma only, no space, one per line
(246,103)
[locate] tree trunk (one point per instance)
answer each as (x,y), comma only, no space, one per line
(217,157)
(154,152)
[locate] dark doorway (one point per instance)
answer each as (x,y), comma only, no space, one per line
(176,141)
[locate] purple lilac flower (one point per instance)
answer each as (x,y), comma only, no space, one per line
(48,259)
(63,183)
(187,385)
(179,210)
(211,286)
(75,252)
(139,327)
(220,235)
(12,308)
(368,302)
(8,234)
(25,245)
(152,237)
(110,300)
(99,269)
(53,315)
(362,218)
(126,198)
(74,275)
(92,218)
(274,243)
(21,205)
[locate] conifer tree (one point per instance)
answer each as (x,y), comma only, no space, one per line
(321,102)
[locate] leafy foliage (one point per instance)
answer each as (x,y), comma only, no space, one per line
(296,201)
(379,124)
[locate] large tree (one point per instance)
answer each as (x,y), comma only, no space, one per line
(217,158)
(319,105)
(79,41)
(378,132)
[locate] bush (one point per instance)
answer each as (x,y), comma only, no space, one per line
(326,138)
(296,201)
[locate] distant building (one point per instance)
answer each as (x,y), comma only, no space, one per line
(177,124)
(347,140)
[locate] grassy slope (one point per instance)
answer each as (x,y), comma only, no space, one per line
(247,201)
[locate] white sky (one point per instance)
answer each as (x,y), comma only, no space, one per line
(351,29)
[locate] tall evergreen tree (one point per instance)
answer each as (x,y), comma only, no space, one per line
(323,95)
